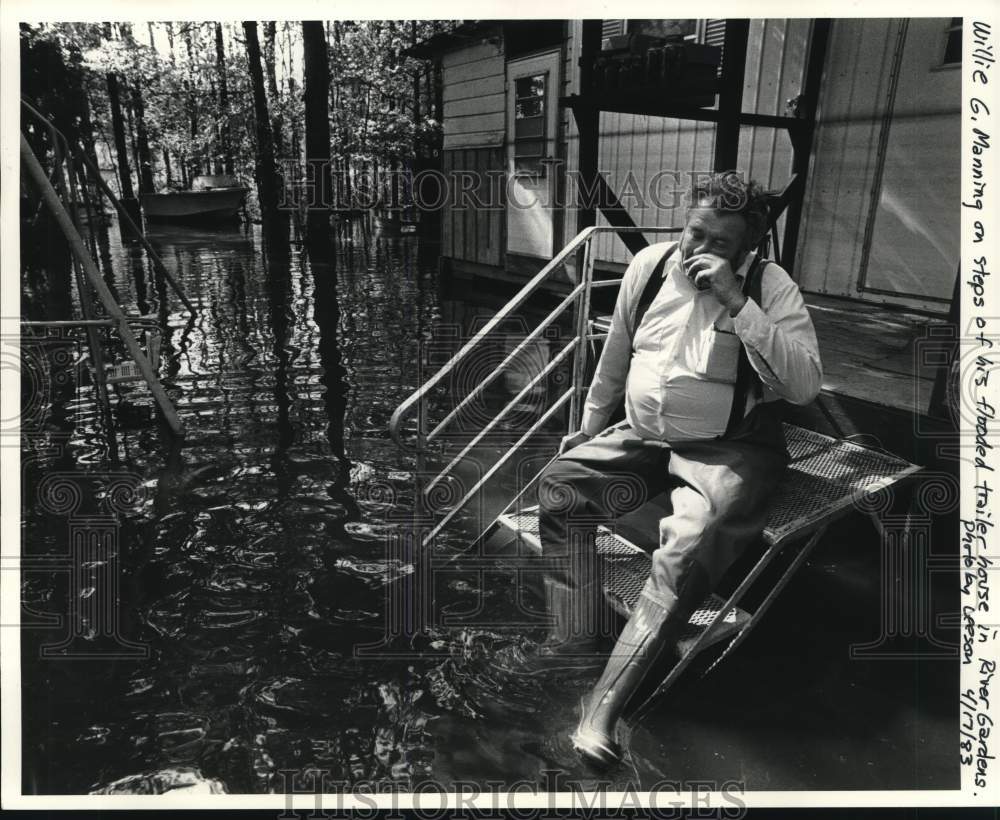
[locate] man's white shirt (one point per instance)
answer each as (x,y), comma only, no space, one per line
(678,372)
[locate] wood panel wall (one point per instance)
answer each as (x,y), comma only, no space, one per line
(474,100)
(474,132)
(474,233)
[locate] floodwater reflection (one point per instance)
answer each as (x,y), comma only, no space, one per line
(254,556)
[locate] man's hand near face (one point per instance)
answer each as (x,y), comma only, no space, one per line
(710,272)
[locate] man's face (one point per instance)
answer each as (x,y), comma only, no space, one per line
(720,234)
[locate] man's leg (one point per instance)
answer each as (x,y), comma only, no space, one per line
(720,505)
(719,508)
(597,481)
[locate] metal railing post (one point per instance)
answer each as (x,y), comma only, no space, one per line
(79,250)
(582,327)
(86,308)
(122,211)
(82,183)
(421,456)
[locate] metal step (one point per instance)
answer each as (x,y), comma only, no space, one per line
(625,568)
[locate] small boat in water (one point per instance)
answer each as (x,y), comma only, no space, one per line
(212,198)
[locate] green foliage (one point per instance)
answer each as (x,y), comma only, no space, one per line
(374,115)
(373,88)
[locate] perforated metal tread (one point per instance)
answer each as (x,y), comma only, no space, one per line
(826,476)
(625,566)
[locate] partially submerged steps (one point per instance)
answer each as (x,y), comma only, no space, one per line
(624,569)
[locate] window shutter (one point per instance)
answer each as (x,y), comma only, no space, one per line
(715,32)
(715,35)
(609,28)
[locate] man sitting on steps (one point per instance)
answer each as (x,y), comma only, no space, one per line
(705,341)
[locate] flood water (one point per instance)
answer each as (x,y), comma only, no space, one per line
(255,559)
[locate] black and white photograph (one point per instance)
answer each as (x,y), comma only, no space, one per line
(407,411)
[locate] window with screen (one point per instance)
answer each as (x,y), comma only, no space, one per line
(529,124)
(953,43)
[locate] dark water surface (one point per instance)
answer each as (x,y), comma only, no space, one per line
(255,557)
(253,560)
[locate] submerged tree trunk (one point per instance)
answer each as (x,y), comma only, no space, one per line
(215,154)
(192,103)
(145,167)
(78,92)
(286,61)
(267,176)
(136,112)
(224,134)
(416,94)
(170,43)
(166,168)
(326,314)
(277,123)
(317,116)
(118,129)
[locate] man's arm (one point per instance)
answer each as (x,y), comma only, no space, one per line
(608,385)
(780,339)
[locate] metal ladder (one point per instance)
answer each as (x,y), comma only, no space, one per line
(64,201)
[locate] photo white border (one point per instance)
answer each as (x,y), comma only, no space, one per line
(11,11)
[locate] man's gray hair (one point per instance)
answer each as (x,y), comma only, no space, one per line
(729,192)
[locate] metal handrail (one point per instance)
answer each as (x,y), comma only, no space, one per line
(556,405)
(582,239)
(570,347)
(521,347)
(75,152)
(519,299)
(77,247)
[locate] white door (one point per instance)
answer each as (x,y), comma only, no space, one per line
(532,108)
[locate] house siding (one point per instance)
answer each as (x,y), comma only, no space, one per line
(474,129)
(910,213)
(640,146)
(881,202)
(473,96)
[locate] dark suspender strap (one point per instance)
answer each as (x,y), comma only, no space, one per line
(745,374)
(653,284)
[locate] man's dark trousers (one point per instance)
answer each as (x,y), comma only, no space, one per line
(718,491)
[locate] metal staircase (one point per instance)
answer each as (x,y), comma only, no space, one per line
(624,570)
(412,417)
(625,566)
(826,479)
